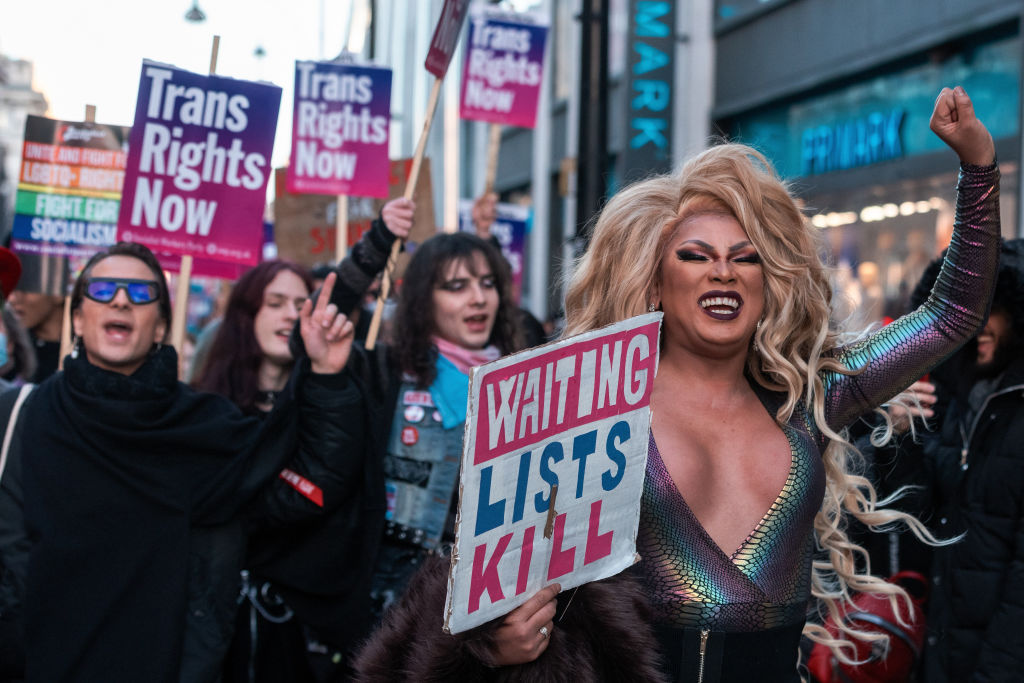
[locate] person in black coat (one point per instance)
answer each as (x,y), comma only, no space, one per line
(300,597)
(124,487)
(971,469)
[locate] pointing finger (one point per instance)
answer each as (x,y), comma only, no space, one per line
(325,292)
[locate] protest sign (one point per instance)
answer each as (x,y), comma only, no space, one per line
(340,129)
(446,36)
(76,214)
(69,189)
(304,224)
(199,164)
(504,65)
(552,469)
(510,227)
(442,46)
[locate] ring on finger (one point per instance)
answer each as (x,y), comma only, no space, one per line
(544,632)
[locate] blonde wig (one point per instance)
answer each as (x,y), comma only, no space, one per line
(618,277)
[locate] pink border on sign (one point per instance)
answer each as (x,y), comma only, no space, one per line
(546,363)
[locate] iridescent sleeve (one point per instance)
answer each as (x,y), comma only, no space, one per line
(898,354)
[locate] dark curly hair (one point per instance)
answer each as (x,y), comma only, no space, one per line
(140,252)
(233,362)
(414,320)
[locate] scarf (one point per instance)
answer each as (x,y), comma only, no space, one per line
(450,389)
(117,470)
(463,358)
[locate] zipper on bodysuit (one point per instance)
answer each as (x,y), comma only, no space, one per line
(704,633)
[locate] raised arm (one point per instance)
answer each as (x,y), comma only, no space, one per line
(898,354)
(370,254)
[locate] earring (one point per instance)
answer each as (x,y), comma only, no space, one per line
(74,348)
(757,329)
(650,308)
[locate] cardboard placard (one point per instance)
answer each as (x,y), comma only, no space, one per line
(304,224)
(572,416)
(199,164)
(69,189)
(341,118)
(503,69)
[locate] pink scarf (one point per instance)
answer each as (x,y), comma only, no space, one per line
(464,358)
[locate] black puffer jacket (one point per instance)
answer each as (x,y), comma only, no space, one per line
(976,468)
(977,603)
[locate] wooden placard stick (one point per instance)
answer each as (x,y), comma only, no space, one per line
(65,325)
(493,146)
(65,332)
(180,314)
(341,229)
(410,189)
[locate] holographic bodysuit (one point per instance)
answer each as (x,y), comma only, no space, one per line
(766,583)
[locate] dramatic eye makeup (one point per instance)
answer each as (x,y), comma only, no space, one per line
(698,250)
(685,254)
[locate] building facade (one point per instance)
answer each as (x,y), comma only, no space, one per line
(18,99)
(838,95)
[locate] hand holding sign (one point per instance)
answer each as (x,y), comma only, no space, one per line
(524,634)
(485,212)
(326,333)
(398,216)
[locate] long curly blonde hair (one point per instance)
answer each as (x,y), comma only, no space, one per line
(618,277)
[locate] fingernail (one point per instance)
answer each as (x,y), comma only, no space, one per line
(960,90)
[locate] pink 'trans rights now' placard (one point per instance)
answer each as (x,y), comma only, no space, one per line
(575,415)
(340,130)
(446,36)
(504,67)
(198,165)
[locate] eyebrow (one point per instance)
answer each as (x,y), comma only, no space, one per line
(467,278)
(704,245)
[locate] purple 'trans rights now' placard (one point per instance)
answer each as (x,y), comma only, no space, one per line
(504,67)
(198,165)
(340,130)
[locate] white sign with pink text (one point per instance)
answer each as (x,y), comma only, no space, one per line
(553,466)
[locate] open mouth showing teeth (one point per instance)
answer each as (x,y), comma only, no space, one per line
(118,328)
(720,304)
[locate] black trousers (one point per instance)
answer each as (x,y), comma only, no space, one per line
(768,656)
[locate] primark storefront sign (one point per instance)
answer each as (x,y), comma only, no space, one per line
(884,117)
(854,142)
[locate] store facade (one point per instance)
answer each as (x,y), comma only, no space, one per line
(849,130)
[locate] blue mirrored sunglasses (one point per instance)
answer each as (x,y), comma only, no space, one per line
(104,290)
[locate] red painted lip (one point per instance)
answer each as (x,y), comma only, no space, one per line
(719,314)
